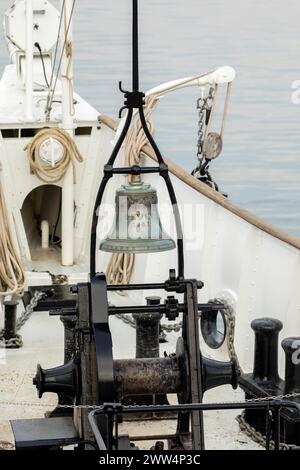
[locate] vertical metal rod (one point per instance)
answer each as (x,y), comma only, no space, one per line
(276,417)
(191,333)
(110,430)
(67,226)
(29,61)
(117,431)
(135,46)
(268,429)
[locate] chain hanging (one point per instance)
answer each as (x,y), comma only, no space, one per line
(205,107)
(258,437)
(209,144)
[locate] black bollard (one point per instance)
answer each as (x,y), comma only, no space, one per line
(265,380)
(266,349)
(291,347)
(10,323)
(290,419)
(147,331)
(147,346)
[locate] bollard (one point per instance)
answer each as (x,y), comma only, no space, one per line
(10,324)
(291,347)
(147,346)
(266,349)
(147,331)
(291,420)
(10,321)
(265,379)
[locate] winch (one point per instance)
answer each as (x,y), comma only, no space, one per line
(93,377)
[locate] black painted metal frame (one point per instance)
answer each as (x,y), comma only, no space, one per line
(135,100)
(112,410)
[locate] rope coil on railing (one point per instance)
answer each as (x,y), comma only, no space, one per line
(49,173)
(12,276)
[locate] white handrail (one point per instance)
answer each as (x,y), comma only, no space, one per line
(221,75)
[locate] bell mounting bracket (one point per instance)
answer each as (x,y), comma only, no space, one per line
(135,99)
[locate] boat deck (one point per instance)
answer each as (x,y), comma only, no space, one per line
(43,343)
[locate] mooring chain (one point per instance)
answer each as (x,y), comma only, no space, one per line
(258,437)
(127,319)
(204,107)
(97,407)
(230,331)
(6,445)
(16,342)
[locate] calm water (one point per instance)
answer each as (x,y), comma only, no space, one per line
(260,164)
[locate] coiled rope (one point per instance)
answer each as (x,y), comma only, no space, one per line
(120,267)
(12,276)
(53,173)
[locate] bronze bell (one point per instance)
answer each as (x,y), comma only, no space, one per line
(137,226)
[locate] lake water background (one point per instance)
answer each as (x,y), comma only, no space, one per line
(260,164)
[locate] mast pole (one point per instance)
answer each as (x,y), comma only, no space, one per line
(29,62)
(68,125)
(135,46)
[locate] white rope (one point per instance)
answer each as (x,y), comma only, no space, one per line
(69,76)
(69,55)
(12,276)
(120,267)
(52,173)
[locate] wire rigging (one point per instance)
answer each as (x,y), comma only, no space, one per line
(65,44)
(57,42)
